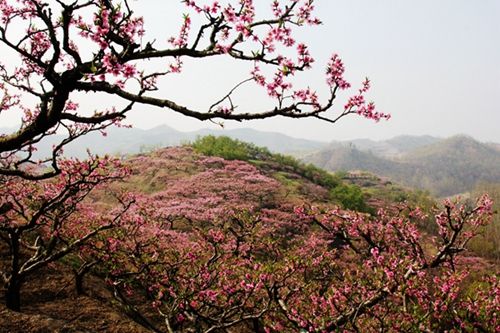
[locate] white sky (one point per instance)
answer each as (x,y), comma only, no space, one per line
(434,65)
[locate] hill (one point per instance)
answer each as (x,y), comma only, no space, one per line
(127,141)
(178,185)
(394,147)
(349,157)
(444,167)
(424,162)
(407,143)
(218,216)
(454,165)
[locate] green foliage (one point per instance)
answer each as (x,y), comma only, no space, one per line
(284,178)
(397,194)
(228,148)
(348,196)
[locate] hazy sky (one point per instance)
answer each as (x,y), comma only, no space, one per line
(434,65)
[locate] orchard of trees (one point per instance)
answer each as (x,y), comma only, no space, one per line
(210,253)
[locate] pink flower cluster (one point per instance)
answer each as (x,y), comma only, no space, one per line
(335,73)
(358,104)
(182,39)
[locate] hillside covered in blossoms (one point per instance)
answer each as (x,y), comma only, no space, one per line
(255,233)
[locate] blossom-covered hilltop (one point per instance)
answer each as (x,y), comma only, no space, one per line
(225,234)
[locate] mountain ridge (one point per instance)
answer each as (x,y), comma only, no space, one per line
(446,167)
(134,140)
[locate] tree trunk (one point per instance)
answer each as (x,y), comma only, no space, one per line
(79,284)
(79,275)
(13,296)
(257,326)
(13,285)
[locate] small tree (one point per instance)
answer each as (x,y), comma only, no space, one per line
(42,222)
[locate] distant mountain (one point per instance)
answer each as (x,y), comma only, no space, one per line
(442,166)
(455,165)
(445,167)
(407,143)
(350,158)
(117,141)
(393,147)
(134,140)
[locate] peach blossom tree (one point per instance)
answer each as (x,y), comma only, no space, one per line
(59,50)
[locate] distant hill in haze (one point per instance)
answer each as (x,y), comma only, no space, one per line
(392,147)
(342,157)
(456,164)
(444,167)
(135,140)
(406,143)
